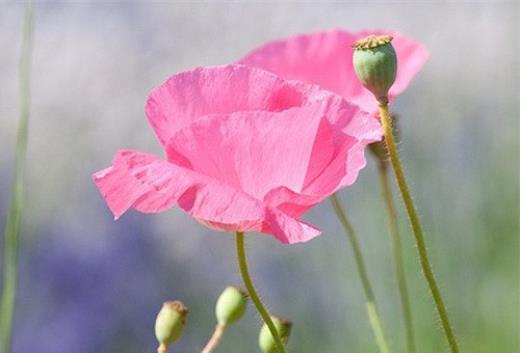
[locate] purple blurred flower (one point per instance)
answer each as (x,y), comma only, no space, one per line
(73,299)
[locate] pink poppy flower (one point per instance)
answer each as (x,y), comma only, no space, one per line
(245,151)
(325,58)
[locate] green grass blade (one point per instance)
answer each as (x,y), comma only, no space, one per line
(14,216)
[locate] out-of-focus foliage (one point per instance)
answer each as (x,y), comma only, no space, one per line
(89,284)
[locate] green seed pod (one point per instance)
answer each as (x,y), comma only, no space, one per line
(375,64)
(266,340)
(231,306)
(170,322)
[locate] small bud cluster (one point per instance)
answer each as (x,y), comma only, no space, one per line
(169,325)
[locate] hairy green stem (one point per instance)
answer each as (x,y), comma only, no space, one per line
(393,229)
(373,315)
(14,216)
(244,271)
(416,226)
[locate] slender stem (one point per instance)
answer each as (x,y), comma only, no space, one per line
(242,262)
(373,315)
(13,222)
(398,256)
(215,339)
(416,227)
(162,348)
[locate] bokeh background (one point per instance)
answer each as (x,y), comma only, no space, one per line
(90,284)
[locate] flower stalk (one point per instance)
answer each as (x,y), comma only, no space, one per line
(14,216)
(265,339)
(244,271)
(393,229)
(371,306)
(215,339)
(416,225)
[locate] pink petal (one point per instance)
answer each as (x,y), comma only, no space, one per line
(344,157)
(187,96)
(291,159)
(412,56)
(335,162)
(341,171)
(251,151)
(151,185)
(290,202)
(325,58)
(148,184)
(287,229)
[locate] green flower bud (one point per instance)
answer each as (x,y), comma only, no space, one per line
(375,64)
(170,322)
(231,306)
(266,340)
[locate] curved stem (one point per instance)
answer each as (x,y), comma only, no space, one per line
(215,339)
(244,271)
(398,256)
(416,227)
(14,217)
(373,315)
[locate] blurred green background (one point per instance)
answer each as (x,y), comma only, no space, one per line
(89,284)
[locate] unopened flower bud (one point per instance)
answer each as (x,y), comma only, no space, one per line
(231,306)
(170,322)
(266,340)
(375,64)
